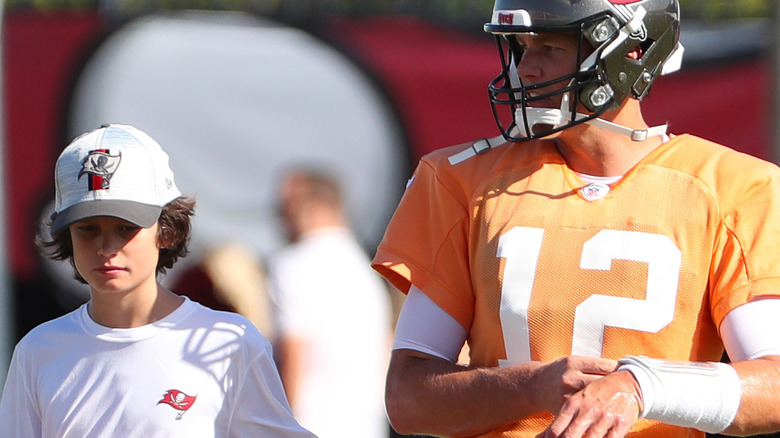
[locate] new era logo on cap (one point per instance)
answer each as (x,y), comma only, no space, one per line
(115,170)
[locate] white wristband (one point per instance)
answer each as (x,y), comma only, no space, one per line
(699,395)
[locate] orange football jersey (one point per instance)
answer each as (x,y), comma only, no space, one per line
(509,244)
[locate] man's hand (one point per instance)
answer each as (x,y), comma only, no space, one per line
(427,395)
(606,407)
(558,381)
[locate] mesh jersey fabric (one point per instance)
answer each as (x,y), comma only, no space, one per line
(505,243)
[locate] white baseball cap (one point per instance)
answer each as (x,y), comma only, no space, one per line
(115,170)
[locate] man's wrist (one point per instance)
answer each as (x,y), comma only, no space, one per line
(700,395)
(631,378)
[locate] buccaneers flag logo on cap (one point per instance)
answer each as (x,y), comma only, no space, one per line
(178,400)
(100,166)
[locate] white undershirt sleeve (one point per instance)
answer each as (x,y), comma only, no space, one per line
(426,327)
(752,330)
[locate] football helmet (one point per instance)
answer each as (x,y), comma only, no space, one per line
(632,41)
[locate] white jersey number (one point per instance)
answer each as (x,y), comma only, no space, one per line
(521,247)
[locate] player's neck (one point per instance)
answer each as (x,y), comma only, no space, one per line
(596,151)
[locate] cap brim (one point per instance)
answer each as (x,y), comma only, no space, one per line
(143,215)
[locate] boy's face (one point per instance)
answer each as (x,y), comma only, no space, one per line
(113,255)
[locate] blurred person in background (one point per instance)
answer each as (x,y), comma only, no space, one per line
(334,313)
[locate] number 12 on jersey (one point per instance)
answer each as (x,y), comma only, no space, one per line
(521,247)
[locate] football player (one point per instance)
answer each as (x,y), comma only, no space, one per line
(596,266)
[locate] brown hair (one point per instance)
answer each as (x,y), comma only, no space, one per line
(173,237)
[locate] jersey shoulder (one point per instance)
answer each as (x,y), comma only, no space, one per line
(487,150)
(694,153)
(473,163)
(728,176)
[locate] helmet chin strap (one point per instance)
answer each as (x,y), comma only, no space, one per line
(634,134)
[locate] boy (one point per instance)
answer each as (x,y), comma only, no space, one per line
(137,360)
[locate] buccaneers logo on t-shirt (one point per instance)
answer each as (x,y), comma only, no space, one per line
(178,400)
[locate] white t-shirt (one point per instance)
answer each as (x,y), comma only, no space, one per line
(195,373)
(329,297)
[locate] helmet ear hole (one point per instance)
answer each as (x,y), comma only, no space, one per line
(639,51)
(635,54)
